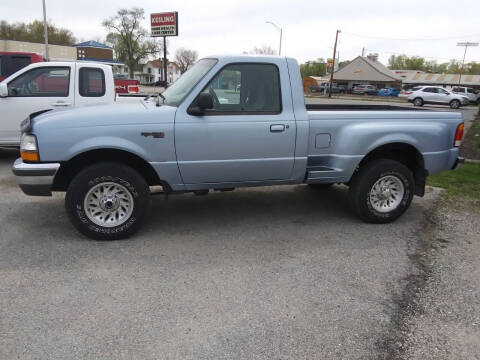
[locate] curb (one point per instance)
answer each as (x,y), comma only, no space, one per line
(471,161)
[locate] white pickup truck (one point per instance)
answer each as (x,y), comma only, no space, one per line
(50,85)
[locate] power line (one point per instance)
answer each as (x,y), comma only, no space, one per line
(410,39)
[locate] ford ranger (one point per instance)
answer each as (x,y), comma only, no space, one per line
(231,121)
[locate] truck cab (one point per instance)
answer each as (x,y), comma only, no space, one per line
(45,86)
(11,62)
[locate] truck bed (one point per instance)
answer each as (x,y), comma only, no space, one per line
(360,107)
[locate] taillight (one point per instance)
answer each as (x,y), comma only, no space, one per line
(408,92)
(133,89)
(459,135)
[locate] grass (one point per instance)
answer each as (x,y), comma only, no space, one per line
(461,183)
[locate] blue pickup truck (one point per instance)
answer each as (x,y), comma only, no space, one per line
(228,122)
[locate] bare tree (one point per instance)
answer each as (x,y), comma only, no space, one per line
(263,50)
(129,39)
(185,58)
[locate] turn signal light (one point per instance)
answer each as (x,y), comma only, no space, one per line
(29,156)
(459,135)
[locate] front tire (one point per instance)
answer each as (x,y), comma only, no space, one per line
(454,104)
(418,102)
(107,201)
(381,191)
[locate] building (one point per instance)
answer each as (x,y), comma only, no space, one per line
(152,72)
(308,81)
(55,52)
(413,78)
(366,70)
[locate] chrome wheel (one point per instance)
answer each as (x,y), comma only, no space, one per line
(108,204)
(418,102)
(386,194)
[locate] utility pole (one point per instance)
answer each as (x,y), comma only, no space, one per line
(279,29)
(466,44)
(333,65)
(45,31)
(363,52)
(165,60)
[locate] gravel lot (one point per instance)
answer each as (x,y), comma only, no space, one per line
(280,272)
(265,273)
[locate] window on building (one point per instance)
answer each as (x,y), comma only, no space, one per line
(41,82)
(91,82)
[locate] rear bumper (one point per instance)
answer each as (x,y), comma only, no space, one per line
(35,179)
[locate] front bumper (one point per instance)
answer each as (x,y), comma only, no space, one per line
(35,179)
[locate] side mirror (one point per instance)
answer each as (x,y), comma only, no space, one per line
(3,90)
(204,101)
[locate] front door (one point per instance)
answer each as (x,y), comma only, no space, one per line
(38,89)
(248,135)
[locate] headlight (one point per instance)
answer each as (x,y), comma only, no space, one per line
(29,148)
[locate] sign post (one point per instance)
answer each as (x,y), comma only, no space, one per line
(163,25)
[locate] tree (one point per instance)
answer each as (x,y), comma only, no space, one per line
(185,58)
(33,32)
(404,62)
(263,50)
(342,64)
(314,68)
(129,39)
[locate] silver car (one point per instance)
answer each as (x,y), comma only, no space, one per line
(436,95)
(473,95)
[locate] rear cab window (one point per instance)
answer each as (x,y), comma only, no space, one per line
(91,82)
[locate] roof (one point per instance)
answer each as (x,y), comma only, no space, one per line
(420,77)
(363,69)
(92,43)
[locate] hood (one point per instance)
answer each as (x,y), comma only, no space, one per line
(118,113)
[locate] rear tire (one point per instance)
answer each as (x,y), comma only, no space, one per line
(381,191)
(107,201)
(418,102)
(454,104)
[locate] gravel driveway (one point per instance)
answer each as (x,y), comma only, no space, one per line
(266,273)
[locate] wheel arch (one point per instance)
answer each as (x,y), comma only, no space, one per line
(404,153)
(72,167)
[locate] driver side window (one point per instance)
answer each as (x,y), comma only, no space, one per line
(41,82)
(246,89)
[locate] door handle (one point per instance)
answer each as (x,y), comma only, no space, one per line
(61,103)
(277,128)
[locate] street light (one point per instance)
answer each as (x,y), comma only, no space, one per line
(45,32)
(466,44)
(280,30)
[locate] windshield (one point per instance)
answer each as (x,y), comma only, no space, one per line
(175,94)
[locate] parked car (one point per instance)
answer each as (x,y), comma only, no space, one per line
(106,157)
(436,95)
(124,85)
(473,95)
(44,86)
(365,90)
(11,62)
(325,87)
(388,92)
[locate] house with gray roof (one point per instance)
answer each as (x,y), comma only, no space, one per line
(366,70)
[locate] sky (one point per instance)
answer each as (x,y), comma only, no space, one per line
(427,28)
